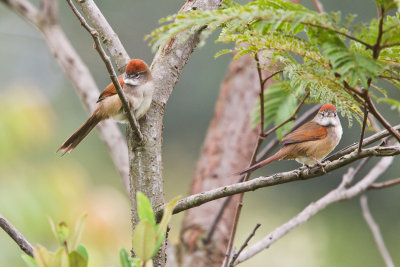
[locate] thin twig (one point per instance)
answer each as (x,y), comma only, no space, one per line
(240,205)
(108,36)
(375,232)
(252,160)
(95,35)
(16,236)
(384,184)
(270,76)
(261,96)
(363,129)
(291,117)
(389,45)
(367,141)
(246,242)
(379,117)
(341,193)
(217,218)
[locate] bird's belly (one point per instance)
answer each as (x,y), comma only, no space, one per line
(305,160)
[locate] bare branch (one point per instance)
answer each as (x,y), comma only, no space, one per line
(339,194)
(363,129)
(16,236)
(367,141)
(291,117)
(25,9)
(108,36)
(385,184)
(375,232)
(280,178)
(49,11)
(245,244)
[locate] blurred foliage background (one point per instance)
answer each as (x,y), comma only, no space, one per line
(39,110)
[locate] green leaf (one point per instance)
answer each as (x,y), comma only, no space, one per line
(76,237)
(29,260)
(125,258)
(144,240)
(160,240)
(136,262)
(82,250)
(169,208)
(61,259)
(60,231)
(77,260)
(43,257)
(144,208)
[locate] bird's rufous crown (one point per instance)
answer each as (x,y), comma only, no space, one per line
(327,107)
(135,65)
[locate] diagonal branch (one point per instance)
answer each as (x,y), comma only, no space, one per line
(385,184)
(16,236)
(95,35)
(339,194)
(107,34)
(375,232)
(291,117)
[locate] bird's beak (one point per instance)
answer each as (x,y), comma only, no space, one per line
(131,79)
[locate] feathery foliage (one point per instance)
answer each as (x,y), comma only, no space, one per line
(317,53)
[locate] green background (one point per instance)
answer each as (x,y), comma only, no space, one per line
(39,109)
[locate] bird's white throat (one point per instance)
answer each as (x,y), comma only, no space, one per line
(131,81)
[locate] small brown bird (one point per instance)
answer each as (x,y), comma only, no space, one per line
(138,86)
(309,143)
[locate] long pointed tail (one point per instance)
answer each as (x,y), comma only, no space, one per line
(279,155)
(80,134)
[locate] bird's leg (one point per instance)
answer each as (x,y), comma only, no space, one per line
(306,166)
(320,164)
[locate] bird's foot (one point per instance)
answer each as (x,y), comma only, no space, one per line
(321,165)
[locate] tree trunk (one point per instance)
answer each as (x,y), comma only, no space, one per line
(227,149)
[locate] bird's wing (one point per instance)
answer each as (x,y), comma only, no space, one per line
(110,90)
(309,131)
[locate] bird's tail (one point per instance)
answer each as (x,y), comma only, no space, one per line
(80,134)
(279,155)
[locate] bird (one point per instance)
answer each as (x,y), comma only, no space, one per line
(138,86)
(309,143)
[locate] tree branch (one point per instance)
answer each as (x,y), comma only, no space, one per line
(291,117)
(108,36)
(280,178)
(16,236)
(385,184)
(375,232)
(244,244)
(339,194)
(367,141)
(363,129)
(95,35)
